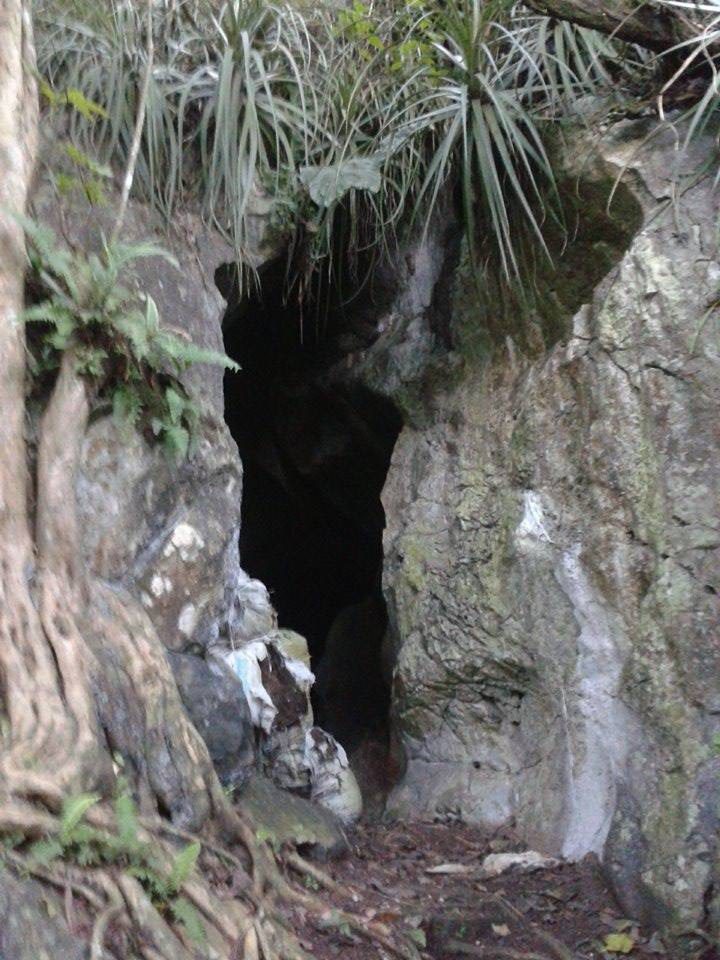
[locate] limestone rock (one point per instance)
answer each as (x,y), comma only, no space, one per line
(167,532)
(551,553)
(333,784)
(253,616)
(496,863)
(292,645)
(214,700)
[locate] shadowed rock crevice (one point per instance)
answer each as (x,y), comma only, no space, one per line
(315,458)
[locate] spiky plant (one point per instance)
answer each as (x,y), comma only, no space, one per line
(700,57)
(352,122)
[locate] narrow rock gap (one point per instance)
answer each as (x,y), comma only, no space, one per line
(315,456)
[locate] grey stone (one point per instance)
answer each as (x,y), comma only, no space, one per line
(167,532)
(32,923)
(551,553)
(282,817)
(216,704)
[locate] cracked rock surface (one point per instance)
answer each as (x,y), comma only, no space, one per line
(552,568)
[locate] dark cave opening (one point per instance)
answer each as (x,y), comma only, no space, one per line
(315,456)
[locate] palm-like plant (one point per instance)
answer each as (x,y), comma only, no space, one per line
(477,108)
(699,53)
(353,124)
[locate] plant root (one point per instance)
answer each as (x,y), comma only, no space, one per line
(560,951)
(111,911)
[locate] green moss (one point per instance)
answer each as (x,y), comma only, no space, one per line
(537,312)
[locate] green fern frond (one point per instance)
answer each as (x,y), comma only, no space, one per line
(73,812)
(126,406)
(44,852)
(175,440)
(189,918)
(183,865)
(127,819)
(123,350)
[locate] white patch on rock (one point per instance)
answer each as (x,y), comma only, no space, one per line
(598,738)
(534,524)
(333,784)
(253,616)
(160,585)
(301,674)
(186,541)
(245,663)
(529,860)
(187,621)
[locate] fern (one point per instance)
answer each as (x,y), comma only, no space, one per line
(73,812)
(79,842)
(120,348)
(127,821)
(189,918)
(44,852)
(183,866)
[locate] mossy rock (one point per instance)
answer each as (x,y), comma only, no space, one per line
(281,818)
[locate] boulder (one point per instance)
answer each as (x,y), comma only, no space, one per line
(167,532)
(282,817)
(551,549)
(214,700)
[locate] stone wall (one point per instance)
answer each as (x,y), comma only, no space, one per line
(551,551)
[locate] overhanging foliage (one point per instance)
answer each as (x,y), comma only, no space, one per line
(303,103)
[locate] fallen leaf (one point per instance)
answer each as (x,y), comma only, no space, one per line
(618,943)
(501,929)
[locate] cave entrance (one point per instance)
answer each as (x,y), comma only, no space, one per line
(315,457)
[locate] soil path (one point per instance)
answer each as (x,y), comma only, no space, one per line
(430,876)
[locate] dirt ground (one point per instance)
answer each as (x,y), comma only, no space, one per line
(428,876)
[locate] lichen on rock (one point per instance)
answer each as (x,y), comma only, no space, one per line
(551,545)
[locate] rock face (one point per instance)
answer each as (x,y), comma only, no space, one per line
(167,533)
(551,549)
(213,696)
(32,923)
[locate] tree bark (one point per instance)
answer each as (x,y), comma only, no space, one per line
(634,21)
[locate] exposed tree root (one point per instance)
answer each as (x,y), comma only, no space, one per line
(306,869)
(114,909)
(559,950)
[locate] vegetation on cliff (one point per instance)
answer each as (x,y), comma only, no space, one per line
(355,121)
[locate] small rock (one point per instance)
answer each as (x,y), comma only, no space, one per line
(282,817)
(497,863)
(333,784)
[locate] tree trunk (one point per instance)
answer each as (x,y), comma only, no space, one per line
(634,21)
